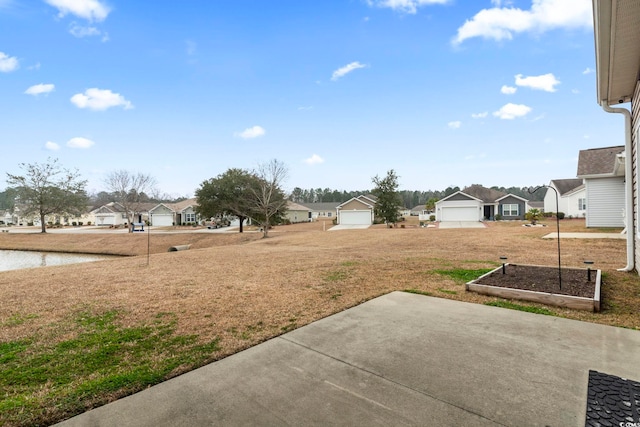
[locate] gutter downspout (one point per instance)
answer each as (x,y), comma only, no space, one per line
(628,183)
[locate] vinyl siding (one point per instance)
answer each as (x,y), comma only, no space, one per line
(635,139)
(605,202)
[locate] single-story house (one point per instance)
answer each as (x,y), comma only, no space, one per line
(168,214)
(297,213)
(571,195)
(617,45)
(323,210)
(418,210)
(603,172)
(357,211)
(476,203)
(111,214)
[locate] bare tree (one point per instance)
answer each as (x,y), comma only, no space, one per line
(269,198)
(48,189)
(130,190)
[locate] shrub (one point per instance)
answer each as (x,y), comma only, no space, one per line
(498,217)
(80,223)
(560,215)
(88,222)
(432,218)
(73,223)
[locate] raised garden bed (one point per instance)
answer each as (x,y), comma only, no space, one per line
(540,284)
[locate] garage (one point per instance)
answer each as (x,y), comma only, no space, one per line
(162,220)
(459,213)
(355,217)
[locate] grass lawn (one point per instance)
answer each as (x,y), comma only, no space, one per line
(78,336)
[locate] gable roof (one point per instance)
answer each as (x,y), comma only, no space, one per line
(292,206)
(601,161)
(362,199)
(322,206)
(455,194)
(512,195)
(566,185)
(487,195)
(181,206)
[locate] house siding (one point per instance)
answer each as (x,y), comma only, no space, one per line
(522,208)
(354,204)
(459,197)
(605,202)
(635,139)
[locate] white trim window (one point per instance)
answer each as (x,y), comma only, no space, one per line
(510,209)
(190,217)
(582,204)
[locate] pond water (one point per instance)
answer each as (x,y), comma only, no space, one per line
(15,260)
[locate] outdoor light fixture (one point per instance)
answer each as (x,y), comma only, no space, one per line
(503,259)
(589,264)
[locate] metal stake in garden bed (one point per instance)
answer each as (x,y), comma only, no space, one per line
(557,227)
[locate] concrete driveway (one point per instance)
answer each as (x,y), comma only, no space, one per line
(349,227)
(400,359)
(461,224)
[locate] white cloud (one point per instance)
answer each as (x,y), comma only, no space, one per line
(480,115)
(250,133)
(51,146)
(36,90)
(588,71)
(79,142)
(546,82)
(100,99)
(36,66)
(511,111)
(406,6)
(307,108)
(91,10)
(508,90)
(454,125)
(80,31)
(314,160)
(8,63)
(192,47)
(340,72)
(575,91)
(501,23)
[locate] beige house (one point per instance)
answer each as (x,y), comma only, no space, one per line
(357,211)
(297,213)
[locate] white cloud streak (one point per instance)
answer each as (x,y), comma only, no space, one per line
(100,99)
(511,111)
(38,89)
(545,82)
(79,142)
(405,6)
(455,124)
(314,160)
(8,63)
(91,10)
(250,133)
(80,31)
(343,71)
(480,115)
(508,90)
(51,146)
(501,23)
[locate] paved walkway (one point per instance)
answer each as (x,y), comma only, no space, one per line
(461,224)
(400,359)
(585,236)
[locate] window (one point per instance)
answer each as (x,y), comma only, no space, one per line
(510,210)
(190,217)
(329,214)
(582,204)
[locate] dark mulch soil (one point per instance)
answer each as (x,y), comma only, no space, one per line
(543,279)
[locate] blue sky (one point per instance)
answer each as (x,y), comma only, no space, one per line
(445,92)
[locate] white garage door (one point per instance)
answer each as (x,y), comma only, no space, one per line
(460,213)
(355,217)
(160,220)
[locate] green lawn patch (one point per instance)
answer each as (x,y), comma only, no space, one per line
(520,307)
(419,292)
(102,360)
(463,275)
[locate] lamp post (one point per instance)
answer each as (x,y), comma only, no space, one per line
(503,259)
(588,264)
(557,227)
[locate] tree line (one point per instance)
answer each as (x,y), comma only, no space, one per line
(408,198)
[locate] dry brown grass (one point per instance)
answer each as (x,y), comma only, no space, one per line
(244,289)
(227,282)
